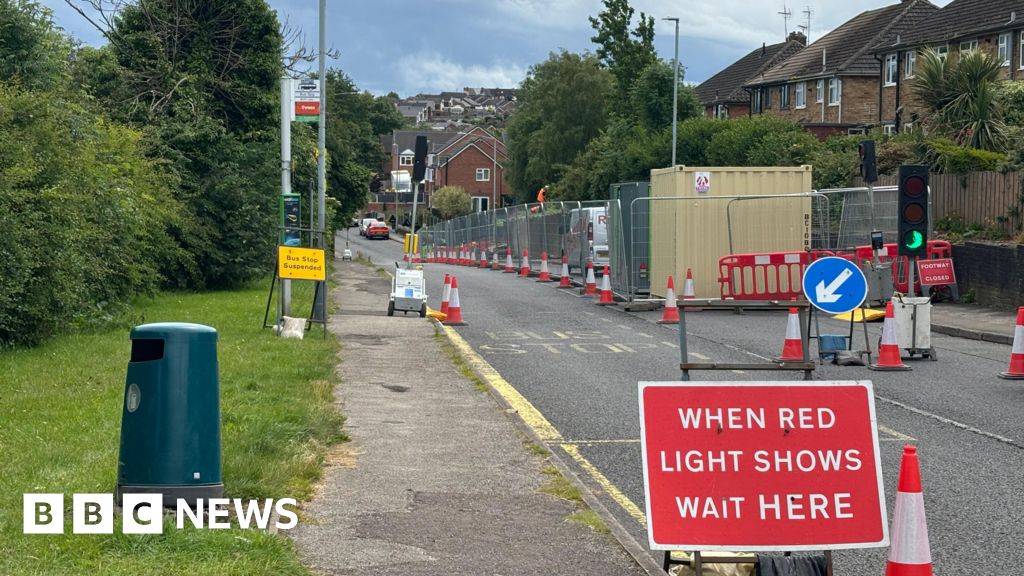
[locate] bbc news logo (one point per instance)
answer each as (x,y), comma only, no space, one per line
(143,513)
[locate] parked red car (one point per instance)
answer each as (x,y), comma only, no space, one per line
(378,230)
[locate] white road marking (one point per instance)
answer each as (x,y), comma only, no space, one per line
(645,335)
(953,423)
(624,327)
(896,436)
(670,344)
(699,356)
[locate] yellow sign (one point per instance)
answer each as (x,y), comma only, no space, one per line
(301,263)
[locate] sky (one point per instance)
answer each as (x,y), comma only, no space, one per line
(428,46)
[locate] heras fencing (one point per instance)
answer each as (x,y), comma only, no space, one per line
(644,239)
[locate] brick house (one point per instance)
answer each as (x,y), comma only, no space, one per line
(399,150)
(993,26)
(832,86)
(724,96)
(474,160)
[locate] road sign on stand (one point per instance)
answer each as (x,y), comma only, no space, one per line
(761,466)
(835,285)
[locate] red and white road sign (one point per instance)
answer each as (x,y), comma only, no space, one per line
(307,108)
(761,466)
(936,272)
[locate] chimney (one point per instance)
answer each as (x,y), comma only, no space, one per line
(764,48)
(799,37)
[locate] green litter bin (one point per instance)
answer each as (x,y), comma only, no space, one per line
(170,421)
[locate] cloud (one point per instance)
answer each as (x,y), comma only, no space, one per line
(432,72)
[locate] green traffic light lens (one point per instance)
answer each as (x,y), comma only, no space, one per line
(913,239)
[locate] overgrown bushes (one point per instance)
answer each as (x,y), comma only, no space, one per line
(88,221)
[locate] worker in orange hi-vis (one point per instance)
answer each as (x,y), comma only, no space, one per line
(540,194)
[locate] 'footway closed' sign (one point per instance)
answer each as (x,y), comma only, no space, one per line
(761,466)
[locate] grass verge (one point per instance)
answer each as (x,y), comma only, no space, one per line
(61,413)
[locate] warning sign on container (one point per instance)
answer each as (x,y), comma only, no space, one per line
(702,182)
(761,466)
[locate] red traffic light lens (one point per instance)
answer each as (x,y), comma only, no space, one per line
(914,186)
(913,213)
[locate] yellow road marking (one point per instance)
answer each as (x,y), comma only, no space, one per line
(605,441)
(621,499)
(895,435)
(533,418)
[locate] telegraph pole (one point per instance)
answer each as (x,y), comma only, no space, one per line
(675,90)
(320,306)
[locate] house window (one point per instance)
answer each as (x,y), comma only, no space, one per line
(942,52)
(855,131)
(910,64)
(784,97)
(722,112)
(480,203)
(890,70)
(801,95)
(968,46)
(1004,49)
(835,91)
(757,101)
(767,98)
(889,129)
(483,174)
(819,92)
(1021,49)
(405,160)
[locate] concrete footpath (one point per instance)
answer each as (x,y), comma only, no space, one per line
(974,321)
(436,479)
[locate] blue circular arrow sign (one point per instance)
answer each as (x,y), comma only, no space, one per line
(835,285)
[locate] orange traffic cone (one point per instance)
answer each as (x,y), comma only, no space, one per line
(909,553)
(1016,371)
(454,306)
(565,281)
(483,258)
(524,266)
(606,298)
(495,264)
(889,349)
(793,346)
(446,293)
(671,313)
(688,293)
(590,286)
(545,274)
(510,268)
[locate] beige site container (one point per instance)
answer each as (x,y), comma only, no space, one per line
(693,232)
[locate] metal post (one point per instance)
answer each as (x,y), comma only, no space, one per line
(675,90)
(320,305)
(285,303)
(412,237)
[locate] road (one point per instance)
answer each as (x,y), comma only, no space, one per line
(579,364)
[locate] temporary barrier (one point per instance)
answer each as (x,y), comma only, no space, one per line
(901,264)
(775,276)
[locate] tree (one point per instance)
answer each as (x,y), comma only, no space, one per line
(561,107)
(33,51)
(625,53)
(354,121)
(650,97)
(451,202)
(960,99)
(201,80)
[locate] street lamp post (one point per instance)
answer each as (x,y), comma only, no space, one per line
(675,90)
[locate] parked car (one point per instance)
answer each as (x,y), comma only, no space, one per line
(378,230)
(364,224)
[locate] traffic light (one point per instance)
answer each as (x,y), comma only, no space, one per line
(913,211)
(867,161)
